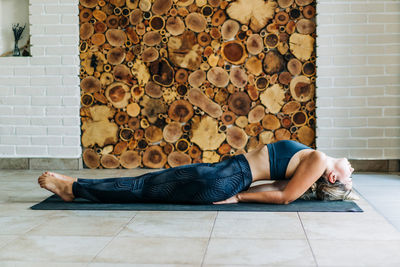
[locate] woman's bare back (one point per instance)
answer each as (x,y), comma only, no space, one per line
(260,167)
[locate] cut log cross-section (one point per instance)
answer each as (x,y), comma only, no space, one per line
(166,83)
(205,133)
(198,98)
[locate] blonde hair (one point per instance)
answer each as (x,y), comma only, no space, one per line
(324,190)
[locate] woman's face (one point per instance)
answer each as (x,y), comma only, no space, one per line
(343,171)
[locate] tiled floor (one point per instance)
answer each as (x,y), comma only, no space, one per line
(153,238)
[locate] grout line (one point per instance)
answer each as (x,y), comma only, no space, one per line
(122,228)
(377,209)
(209,238)
(308,241)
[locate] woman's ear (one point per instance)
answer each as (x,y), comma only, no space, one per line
(332,177)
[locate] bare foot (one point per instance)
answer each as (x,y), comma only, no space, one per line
(62,176)
(58,184)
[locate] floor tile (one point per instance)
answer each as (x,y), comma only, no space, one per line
(175,238)
(259,265)
(19,225)
(154,250)
(42,264)
(345,226)
(5,239)
(102,264)
(23,210)
(247,215)
(258,251)
(272,225)
(80,226)
(171,215)
(356,253)
(53,248)
(96,213)
(376,179)
(168,227)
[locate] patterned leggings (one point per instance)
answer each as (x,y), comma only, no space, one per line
(199,183)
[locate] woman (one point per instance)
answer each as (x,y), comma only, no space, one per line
(298,169)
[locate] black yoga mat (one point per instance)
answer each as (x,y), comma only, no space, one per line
(56,203)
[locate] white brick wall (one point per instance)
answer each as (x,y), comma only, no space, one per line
(358,95)
(39,95)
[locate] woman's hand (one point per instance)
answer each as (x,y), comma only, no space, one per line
(230,200)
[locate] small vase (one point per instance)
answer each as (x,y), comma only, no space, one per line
(16,52)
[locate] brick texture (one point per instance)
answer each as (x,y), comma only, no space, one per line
(39,95)
(358,95)
(358,104)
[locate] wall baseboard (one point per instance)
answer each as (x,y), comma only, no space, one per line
(40,164)
(381,165)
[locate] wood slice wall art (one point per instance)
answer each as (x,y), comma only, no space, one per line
(171,82)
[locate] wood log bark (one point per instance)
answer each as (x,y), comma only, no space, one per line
(126,134)
(98,130)
(254,66)
(109,161)
(154,157)
(267,137)
(120,147)
(91,158)
(305,26)
(255,12)
(306,135)
(152,107)
(118,94)
(182,145)
(198,98)
(282,134)
(239,103)
(133,109)
(301,89)
(241,121)
(234,52)
(173,71)
(291,107)
(294,66)
(236,137)
(218,77)
(271,122)
(172,132)
(253,129)
(130,159)
(224,149)
(153,134)
(184,51)
(273,98)
(205,133)
(273,62)
(177,158)
(210,157)
(121,118)
(180,110)
(301,46)
(285,3)
(256,114)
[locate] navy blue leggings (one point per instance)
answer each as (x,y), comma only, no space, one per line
(199,183)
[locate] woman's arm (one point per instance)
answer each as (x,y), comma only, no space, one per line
(309,170)
(269,186)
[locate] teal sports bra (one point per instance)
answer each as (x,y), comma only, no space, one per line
(280,154)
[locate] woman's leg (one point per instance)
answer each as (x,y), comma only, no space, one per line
(195,183)
(120,189)
(179,184)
